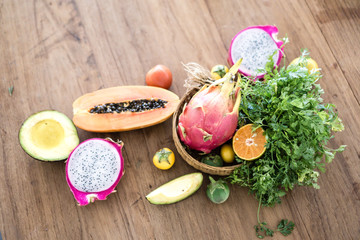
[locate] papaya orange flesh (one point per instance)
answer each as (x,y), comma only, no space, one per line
(124,121)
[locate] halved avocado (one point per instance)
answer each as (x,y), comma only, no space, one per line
(48,136)
(176,190)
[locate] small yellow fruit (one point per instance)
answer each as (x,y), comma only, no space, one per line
(218,71)
(227,153)
(164,159)
(310,63)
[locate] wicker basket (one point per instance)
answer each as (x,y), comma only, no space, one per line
(221,171)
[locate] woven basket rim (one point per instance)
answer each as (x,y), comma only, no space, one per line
(221,171)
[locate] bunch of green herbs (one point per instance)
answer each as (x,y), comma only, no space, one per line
(298,126)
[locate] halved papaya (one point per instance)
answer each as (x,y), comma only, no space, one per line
(123,108)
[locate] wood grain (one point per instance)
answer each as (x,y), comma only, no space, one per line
(54,51)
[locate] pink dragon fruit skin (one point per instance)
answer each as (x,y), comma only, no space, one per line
(210,118)
(238,49)
(117,167)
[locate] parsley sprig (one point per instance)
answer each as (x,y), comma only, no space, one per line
(298,126)
(285,227)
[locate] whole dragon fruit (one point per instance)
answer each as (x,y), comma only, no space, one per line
(255,45)
(93,169)
(210,118)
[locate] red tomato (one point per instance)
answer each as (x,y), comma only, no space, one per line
(159,76)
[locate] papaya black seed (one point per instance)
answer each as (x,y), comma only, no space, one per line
(130,106)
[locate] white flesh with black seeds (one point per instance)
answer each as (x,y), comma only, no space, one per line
(94,166)
(254,46)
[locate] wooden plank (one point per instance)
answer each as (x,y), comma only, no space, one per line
(333,18)
(339,23)
(46,61)
(54,51)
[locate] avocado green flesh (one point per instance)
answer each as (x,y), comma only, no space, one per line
(176,190)
(48,136)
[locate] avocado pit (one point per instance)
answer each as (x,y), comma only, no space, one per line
(47,134)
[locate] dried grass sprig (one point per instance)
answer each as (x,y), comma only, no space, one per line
(197,76)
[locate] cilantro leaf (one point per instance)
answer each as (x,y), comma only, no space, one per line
(285,227)
(262,231)
(11,90)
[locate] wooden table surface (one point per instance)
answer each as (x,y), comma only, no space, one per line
(53,51)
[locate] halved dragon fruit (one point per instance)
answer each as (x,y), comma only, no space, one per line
(255,45)
(93,169)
